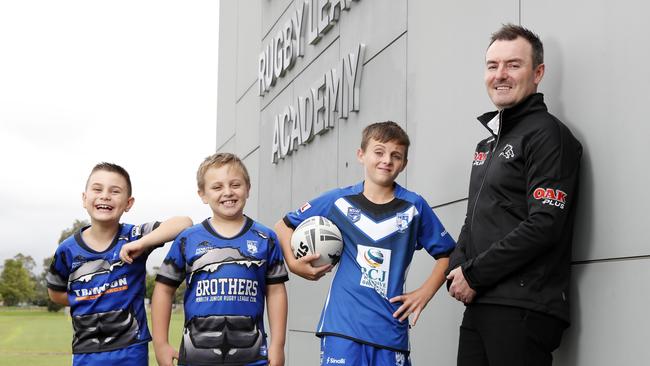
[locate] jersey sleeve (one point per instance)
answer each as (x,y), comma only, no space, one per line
(138,231)
(319,206)
(276,269)
(57,275)
(432,235)
(172,271)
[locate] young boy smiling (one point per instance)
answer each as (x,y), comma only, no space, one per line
(382,224)
(96,273)
(231,265)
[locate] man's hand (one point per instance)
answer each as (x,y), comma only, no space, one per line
(412,304)
(303,267)
(131,251)
(165,354)
(459,288)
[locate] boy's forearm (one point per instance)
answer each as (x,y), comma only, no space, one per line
(161,309)
(58,297)
(166,231)
(437,276)
(276,300)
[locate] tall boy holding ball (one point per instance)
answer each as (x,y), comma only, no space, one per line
(382,223)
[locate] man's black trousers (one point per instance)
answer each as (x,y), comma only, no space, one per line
(495,335)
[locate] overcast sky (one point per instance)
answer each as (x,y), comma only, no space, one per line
(130,82)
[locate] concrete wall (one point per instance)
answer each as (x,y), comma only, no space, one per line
(423,68)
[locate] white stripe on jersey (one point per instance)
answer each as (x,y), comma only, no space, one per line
(375,230)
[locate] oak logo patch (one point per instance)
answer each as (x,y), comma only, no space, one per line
(507,152)
(551,197)
(480,157)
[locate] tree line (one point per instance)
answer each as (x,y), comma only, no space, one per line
(20,285)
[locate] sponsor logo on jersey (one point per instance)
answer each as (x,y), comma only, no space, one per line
(402,220)
(335,361)
(251,246)
(93,293)
(304,207)
(375,268)
(354,214)
(507,152)
(479,158)
(551,197)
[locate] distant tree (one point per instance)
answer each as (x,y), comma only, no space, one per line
(16,282)
(76,225)
(151,282)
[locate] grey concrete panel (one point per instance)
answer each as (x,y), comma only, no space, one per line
(446,54)
(596,82)
(383,97)
(252,162)
(314,164)
(435,336)
(376,23)
(227,146)
(304,349)
(248,43)
(306,300)
(275,179)
(311,52)
(610,325)
(248,124)
(227,77)
(271,11)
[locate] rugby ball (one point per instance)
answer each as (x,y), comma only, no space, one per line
(317,234)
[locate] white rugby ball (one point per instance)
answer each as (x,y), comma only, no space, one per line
(317,234)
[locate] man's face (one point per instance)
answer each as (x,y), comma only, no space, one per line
(509,73)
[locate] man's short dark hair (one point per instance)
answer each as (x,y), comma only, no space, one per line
(510,32)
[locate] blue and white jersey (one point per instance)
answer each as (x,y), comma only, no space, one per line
(378,244)
(106,295)
(226,282)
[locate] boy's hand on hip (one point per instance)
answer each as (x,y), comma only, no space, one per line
(412,304)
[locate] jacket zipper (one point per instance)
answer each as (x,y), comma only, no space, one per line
(478,194)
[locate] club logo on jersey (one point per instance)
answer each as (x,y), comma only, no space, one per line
(479,158)
(251,245)
(87,271)
(402,220)
(354,214)
(304,207)
(400,359)
(507,152)
(136,231)
(375,268)
(551,197)
(213,259)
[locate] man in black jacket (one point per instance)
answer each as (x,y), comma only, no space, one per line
(511,265)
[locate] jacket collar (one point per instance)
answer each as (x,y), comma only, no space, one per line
(509,116)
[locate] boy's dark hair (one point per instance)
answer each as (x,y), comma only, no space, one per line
(114,168)
(217,161)
(510,32)
(384,132)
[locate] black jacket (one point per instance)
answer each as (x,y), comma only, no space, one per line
(515,245)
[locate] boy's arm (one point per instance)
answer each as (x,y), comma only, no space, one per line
(276,300)
(301,266)
(165,232)
(58,297)
(161,309)
(415,301)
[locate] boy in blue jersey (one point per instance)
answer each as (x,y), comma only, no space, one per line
(95,272)
(382,223)
(231,265)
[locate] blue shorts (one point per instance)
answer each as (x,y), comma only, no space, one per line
(338,351)
(136,355)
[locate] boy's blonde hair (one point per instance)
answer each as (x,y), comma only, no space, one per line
(217,161)
(384,132)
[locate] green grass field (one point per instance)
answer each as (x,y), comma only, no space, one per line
(34,337)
